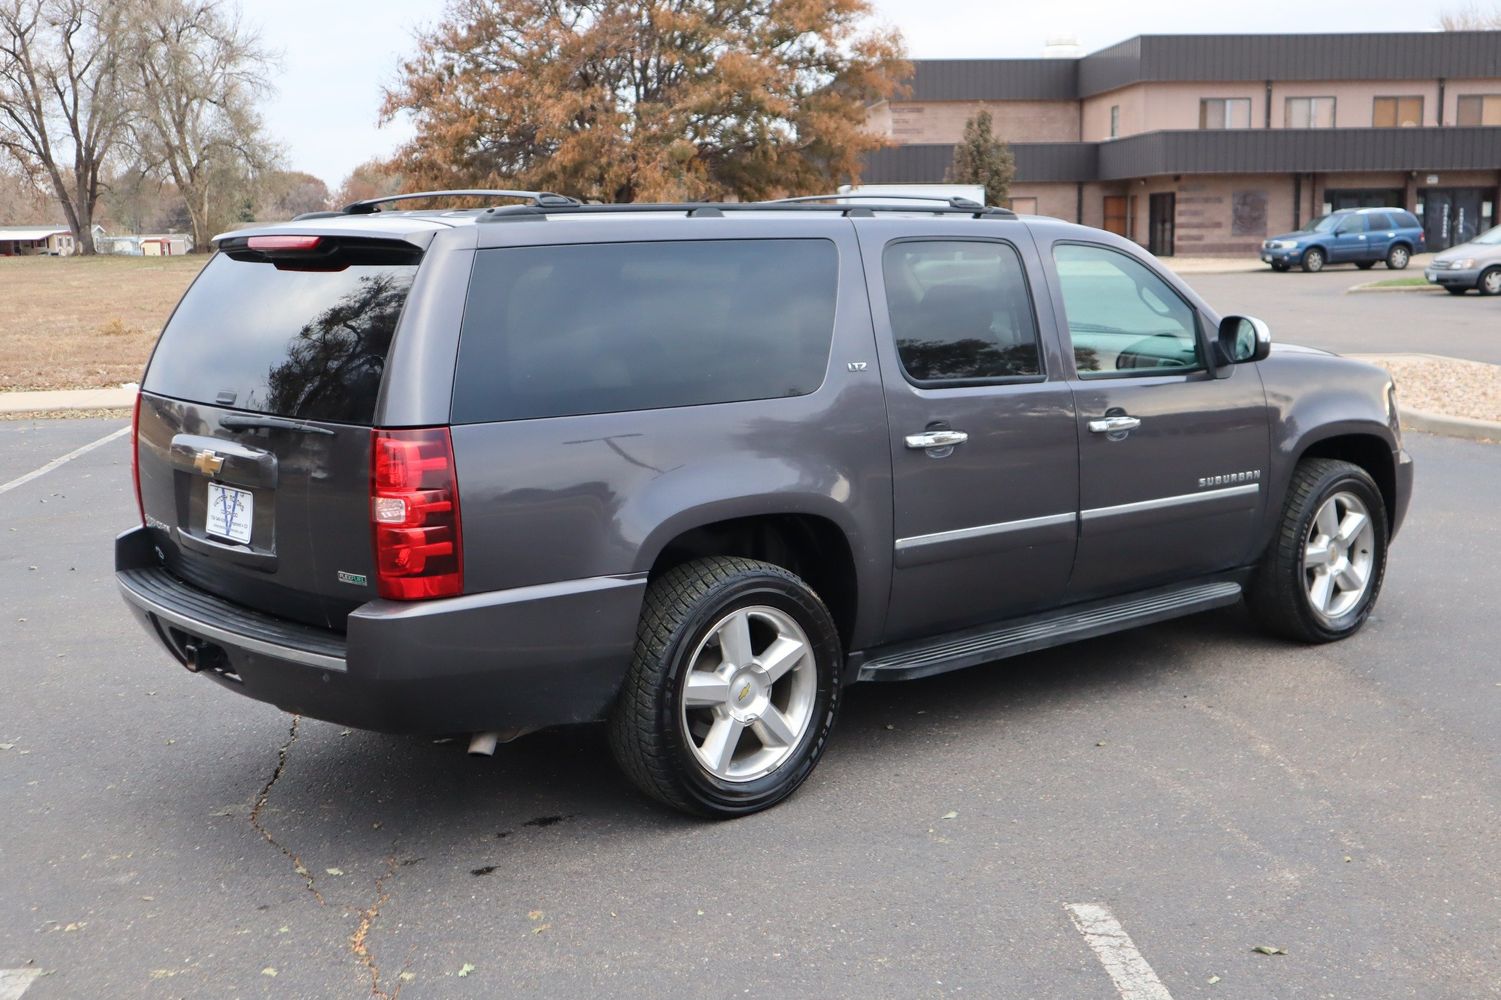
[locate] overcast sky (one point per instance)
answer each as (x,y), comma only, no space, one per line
(336,54)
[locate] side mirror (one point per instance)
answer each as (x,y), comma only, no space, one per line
(1242,339)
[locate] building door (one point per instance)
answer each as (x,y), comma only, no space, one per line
(1451,216)
(1161,210)
(1115,214)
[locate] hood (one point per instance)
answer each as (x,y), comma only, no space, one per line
(1480,251)
(1301,234)
(1278,348)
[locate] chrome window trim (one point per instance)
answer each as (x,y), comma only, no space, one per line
(1048,520)
(1173,501)
(981,530)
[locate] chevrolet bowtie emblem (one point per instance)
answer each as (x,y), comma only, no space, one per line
(743,692)
(208,463)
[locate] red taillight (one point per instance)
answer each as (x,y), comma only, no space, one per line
(135,455)
(294,243)
(414,513)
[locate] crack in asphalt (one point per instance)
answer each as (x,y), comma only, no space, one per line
(359,941)
(260,804)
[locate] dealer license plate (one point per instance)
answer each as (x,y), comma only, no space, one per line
(229,513)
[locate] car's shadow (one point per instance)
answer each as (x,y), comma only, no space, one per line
(379,796)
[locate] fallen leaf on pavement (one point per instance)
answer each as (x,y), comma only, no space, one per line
(407,977)
(1267,949)
(268,971)
(951,815)
(465,970)
(334,871)
(1213,980)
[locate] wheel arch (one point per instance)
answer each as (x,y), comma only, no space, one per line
(1369,451)
(811,544)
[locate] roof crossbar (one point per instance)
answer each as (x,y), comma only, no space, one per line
(539,198)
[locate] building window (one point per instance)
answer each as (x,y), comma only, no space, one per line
(1115,120)
(1225,112)
(1309,112)
(1391,112)
(1479,109)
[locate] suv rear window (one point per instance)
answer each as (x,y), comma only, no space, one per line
(291,340)
(557,330)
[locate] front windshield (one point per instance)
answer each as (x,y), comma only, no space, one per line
(1323,224)
(1492,238)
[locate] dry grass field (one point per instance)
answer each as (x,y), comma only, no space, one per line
(84,322)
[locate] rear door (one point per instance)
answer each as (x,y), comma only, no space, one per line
(254,439)
(983,445)
(1350,241)
(1171,459)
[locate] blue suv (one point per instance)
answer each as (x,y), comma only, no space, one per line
(1360,236)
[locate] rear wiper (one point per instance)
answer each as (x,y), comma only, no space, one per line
(246,422)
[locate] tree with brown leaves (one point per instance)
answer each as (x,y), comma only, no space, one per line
(646,99)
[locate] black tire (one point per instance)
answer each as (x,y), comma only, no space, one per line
(646,728)
(1278,594)
(1313,260)
(1398,257)
(1365,265)
(1490,281)
(1457,289)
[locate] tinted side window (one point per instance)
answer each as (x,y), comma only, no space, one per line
(1407,220)
(558,330)
(1122,318)
(1379,220)
(1352,223)
(960,311)
(305,342)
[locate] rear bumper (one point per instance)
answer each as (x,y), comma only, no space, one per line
(524,658)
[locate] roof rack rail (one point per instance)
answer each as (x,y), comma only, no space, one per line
(704,209)
(953,203)
(539,198)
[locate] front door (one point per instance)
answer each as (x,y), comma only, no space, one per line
(1115,214)
(1161,211)
(1172,461)
(1451,216)
(984,450)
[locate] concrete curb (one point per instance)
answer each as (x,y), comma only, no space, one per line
(1372,286)
(120,397)
(1456,427)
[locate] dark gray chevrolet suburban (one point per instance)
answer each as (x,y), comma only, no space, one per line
(692,469)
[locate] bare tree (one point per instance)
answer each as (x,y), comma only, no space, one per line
(196,73)
(1471,17)
(60,97)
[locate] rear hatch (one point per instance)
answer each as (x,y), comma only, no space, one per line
(254,440)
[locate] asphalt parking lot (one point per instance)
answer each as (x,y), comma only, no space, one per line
(1211,789)
(1312,309)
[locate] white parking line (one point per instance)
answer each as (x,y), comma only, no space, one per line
(15,982)
(1132,976)
(54,464)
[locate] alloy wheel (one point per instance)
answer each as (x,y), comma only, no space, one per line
(1338,556)
(1490,282)
(1397,259)
(748,694)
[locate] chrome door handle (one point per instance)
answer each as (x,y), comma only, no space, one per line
(1114,425)
(935,439)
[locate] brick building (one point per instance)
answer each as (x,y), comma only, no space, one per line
(1207,144)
